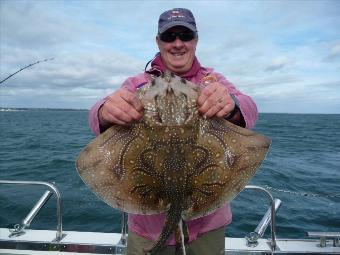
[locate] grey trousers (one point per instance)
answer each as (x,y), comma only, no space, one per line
(210,243)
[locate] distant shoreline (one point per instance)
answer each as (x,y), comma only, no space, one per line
(9,109)
(12,109)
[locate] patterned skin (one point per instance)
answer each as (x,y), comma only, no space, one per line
(173,160)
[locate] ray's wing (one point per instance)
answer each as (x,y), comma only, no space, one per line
(108,166)
(232,155)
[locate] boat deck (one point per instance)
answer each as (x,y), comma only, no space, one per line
(23,240)
(73,242)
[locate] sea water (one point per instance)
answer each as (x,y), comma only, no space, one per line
(302,169)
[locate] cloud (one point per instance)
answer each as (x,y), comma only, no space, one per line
(277,63)
(275,51)
(96,73)
(82,68)
(28,25)
(334,53)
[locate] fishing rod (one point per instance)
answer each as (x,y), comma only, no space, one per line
(39,61)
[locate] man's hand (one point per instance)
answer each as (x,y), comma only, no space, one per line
(215,100)
(122,107)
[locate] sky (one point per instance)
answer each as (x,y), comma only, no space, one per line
(284,54)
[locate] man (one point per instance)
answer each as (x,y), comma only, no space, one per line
(177,40)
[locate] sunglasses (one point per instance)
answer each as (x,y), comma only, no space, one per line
(183,36)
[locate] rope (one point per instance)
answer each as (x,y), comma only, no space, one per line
(302,194)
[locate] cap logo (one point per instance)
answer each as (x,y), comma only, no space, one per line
(176,14)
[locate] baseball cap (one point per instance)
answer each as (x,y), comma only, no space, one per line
(176,17)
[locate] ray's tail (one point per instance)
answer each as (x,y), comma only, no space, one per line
(172,220)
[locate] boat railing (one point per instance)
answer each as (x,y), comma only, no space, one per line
(19,228)
(120,247)
(269,217)
(323,238)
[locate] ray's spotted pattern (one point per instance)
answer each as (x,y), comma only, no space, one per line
(173,160)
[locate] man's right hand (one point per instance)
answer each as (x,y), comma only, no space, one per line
(121,107)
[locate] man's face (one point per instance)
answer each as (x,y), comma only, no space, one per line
(178,55)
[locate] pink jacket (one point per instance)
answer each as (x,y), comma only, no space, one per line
(150,226)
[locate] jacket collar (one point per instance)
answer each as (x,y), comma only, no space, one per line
(158,67)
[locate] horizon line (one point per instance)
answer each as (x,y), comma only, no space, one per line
(83,109)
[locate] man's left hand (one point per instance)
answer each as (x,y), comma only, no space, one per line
(215,100)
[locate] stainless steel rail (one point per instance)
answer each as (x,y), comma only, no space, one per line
(271,213)
(34,211)
(262,226)
(28,219)
(323,238)
(26,222)
(121,245)
(124,229)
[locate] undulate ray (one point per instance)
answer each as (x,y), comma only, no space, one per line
(173,160)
